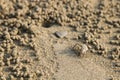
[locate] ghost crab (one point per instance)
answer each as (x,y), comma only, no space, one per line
(80,49)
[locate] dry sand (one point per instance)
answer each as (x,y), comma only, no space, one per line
(37,39)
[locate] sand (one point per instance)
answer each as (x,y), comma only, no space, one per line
(38,38)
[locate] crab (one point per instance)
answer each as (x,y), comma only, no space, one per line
(80,49)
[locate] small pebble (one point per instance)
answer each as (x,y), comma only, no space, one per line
(61,34)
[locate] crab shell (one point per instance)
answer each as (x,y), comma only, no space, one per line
(80,49)
(84,49)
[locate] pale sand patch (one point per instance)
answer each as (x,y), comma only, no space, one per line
(72,67)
